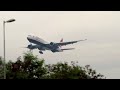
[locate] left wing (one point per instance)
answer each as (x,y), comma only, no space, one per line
(66,43)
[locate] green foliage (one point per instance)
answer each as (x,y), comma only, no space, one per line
(1,68)
(28,68)
(31,67)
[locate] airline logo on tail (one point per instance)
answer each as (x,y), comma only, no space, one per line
(61,40)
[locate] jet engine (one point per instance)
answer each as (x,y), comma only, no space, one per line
(30,46)
(52,43)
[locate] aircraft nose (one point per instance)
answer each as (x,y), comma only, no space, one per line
(28,38)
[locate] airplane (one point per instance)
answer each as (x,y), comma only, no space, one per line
(42,45)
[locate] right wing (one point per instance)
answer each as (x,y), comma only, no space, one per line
(66,43)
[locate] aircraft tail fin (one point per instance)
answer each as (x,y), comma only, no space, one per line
(61,40)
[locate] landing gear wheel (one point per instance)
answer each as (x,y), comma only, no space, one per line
(40,52)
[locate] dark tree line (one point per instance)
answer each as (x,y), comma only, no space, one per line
(31,67)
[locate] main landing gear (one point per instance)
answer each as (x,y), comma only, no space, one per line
(40,52)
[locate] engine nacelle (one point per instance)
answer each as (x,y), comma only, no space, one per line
(52,43)
(30,46)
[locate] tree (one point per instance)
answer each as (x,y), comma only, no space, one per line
(1,68)
(31,67)
(73,71)
(28,68)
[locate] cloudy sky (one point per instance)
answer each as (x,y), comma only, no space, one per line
(101,28)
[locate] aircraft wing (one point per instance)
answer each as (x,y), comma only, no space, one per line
(66,43)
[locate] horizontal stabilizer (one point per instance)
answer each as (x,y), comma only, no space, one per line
(68,49)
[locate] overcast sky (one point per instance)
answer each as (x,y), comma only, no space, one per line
(101,28)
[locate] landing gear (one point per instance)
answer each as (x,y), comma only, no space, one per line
(40,52)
